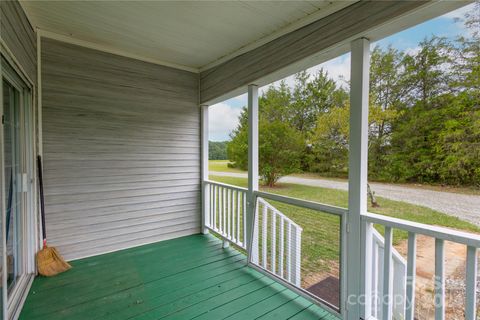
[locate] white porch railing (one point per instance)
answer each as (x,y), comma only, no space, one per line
(389,279)
(471,242)
(279,239)
(276,239)
(226,211)
(399,270)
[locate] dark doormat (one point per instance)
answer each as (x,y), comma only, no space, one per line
(328,289)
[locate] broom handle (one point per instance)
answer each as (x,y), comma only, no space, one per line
(42,202)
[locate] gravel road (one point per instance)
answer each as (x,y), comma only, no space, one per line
(463,206)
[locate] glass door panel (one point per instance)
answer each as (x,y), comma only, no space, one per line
(13,184)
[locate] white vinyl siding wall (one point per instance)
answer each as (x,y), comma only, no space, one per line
(121,141)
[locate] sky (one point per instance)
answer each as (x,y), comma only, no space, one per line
(223,117)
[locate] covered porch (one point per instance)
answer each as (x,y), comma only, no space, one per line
(118,96)
(191,277)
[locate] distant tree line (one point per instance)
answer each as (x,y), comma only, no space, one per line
(424,119)
(217,150)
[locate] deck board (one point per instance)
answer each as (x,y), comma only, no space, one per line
(186,278)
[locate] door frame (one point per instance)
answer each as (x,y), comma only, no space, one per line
(13,73)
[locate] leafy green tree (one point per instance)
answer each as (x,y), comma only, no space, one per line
(424,121)
(280,147)
(467,54)
(331,142)
(425,74)
(217,150)
(237,148)
(311,97)
(386,92)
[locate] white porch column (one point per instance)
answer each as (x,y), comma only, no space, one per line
(204,168)
(252,162)
(357,176)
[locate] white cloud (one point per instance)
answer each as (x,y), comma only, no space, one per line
(223,118)
(338,69)
(412,51)
(459,13)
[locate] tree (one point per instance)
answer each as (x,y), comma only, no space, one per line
(424,121)
(330,149)
(425,71)
(386,91)
(311,97)
(280,145)
(467,55)
(217,150)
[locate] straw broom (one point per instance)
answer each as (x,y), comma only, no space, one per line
(49,260)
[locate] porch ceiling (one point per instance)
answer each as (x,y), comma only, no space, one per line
(189,34)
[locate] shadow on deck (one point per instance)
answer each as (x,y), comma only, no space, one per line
(184,278)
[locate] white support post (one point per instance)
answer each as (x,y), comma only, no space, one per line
(357,178)
(439,299)
(411,274)
(367,228)
(252,163)
(386,298)
(471,281)
(204,168)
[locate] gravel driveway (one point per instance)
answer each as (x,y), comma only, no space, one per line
(463,206)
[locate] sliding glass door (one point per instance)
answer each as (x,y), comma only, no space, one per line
(14,217)
(18,178)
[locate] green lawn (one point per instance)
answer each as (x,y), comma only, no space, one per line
(321,231)
(222,166)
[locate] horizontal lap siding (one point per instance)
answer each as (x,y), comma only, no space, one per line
(121,150)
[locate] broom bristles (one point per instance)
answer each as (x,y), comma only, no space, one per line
(50,262)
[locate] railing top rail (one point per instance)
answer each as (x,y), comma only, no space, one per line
(225,185)
(265,202)
(466,238)
(303,203)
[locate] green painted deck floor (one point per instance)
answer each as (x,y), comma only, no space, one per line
(186,278)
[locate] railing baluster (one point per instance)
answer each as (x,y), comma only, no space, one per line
(229,213)
(210,206)
(387,276)
(273,254)
(220,209)
(289,251)
(471,281)
(224,226)
(439,280)
(297,242)
(254,257)
(375,282)
(239,195)
(411,274)
(264,235)
(244,216)
(234,214)
(280,251)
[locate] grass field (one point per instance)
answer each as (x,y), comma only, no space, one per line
(222,166)
(321,231)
